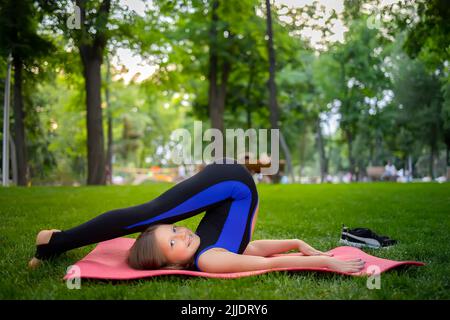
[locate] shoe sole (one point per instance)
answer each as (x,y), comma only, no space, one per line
(358,245)
(368,241)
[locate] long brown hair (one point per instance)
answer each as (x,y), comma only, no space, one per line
(145,253)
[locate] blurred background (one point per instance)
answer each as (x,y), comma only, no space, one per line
(92,90)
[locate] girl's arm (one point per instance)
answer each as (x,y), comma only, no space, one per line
(222,261)
(265,248)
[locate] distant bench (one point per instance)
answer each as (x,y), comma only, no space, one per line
(375,173)
(256,168)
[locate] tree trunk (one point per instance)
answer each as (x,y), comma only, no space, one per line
(287,154)
(448,163)
(410,167)
(219,71)
(447,144)
(215,113)
(95,142)
(91,52)
(447,158)
(351,160)
(273,105)
(222,93)
(347,128)
(433,151)
(321,150)
(19,128)
(301,149)
(447,149)
(13,161)
(214,103)
(248,97)
(249,117)
(110,135)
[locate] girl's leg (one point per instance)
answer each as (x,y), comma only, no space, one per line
(255,217)
(196,194)
(230,224)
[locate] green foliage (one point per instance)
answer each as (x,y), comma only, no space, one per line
(385,108)
(429,37)
(18,27)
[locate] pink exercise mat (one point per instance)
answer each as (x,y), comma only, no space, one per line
(108,261)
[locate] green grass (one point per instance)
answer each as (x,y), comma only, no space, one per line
(417,215)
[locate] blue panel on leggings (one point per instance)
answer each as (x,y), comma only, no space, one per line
(234,227)
(216,193)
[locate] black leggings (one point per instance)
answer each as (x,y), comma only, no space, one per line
(226,192)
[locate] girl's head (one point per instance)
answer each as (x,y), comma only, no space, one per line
(164,246)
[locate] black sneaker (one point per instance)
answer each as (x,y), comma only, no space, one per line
(363,237)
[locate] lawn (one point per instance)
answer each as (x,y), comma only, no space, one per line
(417,215)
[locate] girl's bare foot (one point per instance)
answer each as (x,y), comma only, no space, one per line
(42,237)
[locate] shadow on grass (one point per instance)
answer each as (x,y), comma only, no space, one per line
(182,278)
(169,278)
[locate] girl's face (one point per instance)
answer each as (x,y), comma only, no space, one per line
(178,244)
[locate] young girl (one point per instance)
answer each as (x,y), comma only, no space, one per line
(221,243)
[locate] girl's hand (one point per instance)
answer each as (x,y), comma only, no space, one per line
(349,266)
(307,250)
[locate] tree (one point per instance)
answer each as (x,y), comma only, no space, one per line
(356,77)
(100,21)
(418,94)
(206,53)
(218,74)
(90,38)
(428,39)
(18,27)
(273,104)
(91,47)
